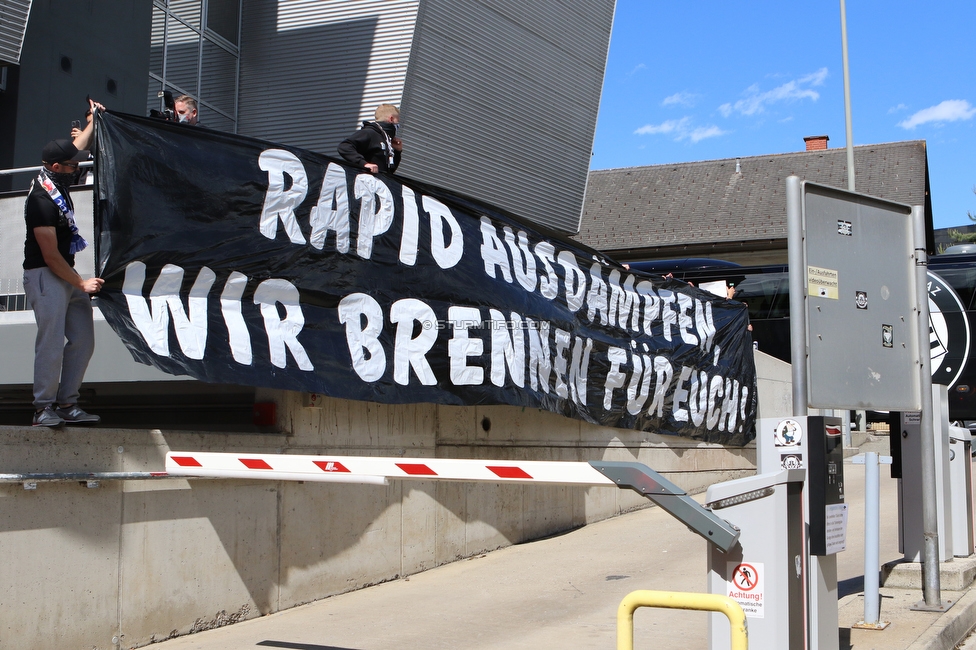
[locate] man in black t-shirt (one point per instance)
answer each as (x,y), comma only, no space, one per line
(59,296)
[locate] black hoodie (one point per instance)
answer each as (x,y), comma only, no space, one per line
(369,145)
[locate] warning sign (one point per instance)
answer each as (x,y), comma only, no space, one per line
(822,283)
(746,587)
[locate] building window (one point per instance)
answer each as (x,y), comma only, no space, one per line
(195,52)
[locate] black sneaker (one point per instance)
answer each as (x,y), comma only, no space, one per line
(47,418)
(74,415)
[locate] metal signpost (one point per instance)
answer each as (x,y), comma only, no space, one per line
(860,299)
(855,323)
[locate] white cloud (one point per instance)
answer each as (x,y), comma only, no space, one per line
(682,99)
(756,102)
(669,126)
(704,132)
(681,130)
(951,110)
(815,78)
(895,109)
(638,68)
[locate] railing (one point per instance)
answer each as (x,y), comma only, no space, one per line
(680,600)
(24,170)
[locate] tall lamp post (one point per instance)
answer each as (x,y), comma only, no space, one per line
(847,97)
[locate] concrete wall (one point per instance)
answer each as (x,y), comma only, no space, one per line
(775,388)
(127,563)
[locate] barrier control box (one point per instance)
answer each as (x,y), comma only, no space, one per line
(814,443)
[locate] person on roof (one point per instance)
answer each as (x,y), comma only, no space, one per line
(186,110)
(375,147)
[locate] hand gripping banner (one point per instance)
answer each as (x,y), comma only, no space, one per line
(238,261)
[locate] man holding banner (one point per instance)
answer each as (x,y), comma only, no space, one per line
(59,296)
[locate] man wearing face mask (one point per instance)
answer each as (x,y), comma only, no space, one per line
(375,147)
(186,110)
(60,298)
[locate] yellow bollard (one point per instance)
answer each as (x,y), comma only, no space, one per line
(680,600)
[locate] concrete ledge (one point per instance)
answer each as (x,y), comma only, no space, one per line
(951,628)
(955,575)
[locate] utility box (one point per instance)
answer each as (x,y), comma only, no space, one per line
(908,436)
(961,488)
(764,572)
(816,444)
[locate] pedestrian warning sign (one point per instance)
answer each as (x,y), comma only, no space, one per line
(745,587)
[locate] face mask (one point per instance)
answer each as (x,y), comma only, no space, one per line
(64,178)
(183,118)
(390,128)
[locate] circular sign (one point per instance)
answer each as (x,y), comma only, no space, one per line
(788,433)
(745,577)
(791,461)
(949,335)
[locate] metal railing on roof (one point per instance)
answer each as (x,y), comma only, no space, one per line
(24,170)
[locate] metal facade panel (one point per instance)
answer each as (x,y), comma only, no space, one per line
(13,26)
(501,101)
(312,70)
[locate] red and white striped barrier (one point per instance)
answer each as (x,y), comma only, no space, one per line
(372,469)
(378,470)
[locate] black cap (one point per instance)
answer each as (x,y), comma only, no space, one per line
(59,151)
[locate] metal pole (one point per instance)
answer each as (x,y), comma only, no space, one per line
(24,170)
(930,516)
(798,319)
(872,524)
(847,98)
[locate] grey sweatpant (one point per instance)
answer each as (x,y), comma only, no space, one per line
(65,337)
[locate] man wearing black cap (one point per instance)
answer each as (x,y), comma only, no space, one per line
(59,296)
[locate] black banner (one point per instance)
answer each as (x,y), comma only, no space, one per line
(233,260)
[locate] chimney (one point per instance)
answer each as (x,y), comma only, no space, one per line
(816,142)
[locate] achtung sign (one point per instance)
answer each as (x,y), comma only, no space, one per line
(746,587)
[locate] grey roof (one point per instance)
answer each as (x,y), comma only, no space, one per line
(642,208)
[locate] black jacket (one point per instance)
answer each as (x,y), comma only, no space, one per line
(368,145)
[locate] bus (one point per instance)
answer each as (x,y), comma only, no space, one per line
(766,291)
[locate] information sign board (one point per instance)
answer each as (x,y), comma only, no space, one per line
(860,301)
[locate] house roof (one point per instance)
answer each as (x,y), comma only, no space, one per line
(634,209)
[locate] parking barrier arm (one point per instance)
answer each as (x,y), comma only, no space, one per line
(672,499)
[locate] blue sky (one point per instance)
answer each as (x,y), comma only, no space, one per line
(704,80)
